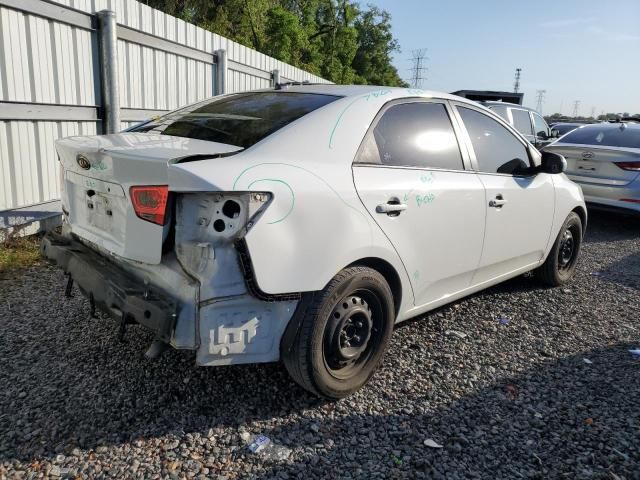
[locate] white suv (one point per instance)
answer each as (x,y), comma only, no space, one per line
(300,224)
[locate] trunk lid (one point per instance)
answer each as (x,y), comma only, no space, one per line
(98,173)
(593,164)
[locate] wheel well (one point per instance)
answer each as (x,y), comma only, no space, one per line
(388,272)
(583,217)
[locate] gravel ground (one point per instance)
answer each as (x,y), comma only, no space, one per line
(553,393)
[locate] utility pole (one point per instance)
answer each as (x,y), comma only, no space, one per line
(516,83)
(419,66)
(540,99)
(576,106)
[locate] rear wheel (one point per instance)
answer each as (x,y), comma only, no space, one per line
(560,265)
(338,337)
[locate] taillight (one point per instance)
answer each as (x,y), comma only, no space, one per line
(631,166)
(150,202)
(631,200)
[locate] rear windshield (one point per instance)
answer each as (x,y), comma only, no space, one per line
(609,136)
(241,120)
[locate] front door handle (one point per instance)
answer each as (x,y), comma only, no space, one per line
(497,202)
(392,208)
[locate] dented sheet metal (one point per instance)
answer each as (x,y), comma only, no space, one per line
(242,330)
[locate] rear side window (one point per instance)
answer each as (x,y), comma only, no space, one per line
(497,149)
(413,134)
(500,110)
(241,120)
(521,121)
(609,135)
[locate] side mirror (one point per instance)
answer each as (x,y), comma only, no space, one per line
(543,135)
(517,166)
(552,163)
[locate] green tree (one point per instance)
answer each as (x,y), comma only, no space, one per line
(336,39)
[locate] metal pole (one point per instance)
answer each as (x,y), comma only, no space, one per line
(275,77)
(221,72)
(109,71)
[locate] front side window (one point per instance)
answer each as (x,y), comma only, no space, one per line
(541,127)
(521,121)
(242,120)
(413,134)
(497,149)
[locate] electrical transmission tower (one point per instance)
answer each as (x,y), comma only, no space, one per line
(419,68)
(593,112)
(576,106)
(516,83)
(540,99)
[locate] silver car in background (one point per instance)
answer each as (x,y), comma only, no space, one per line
(604,159)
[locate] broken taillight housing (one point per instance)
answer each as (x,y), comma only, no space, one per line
(150,202)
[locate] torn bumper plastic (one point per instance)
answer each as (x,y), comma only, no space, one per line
(113,289)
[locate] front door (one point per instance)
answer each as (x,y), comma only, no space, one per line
(409,174)
(520,205)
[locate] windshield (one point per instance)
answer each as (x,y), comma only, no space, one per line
(609,136)
(242,120)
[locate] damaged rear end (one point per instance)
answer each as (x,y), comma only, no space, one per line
(160,253)
(153,243)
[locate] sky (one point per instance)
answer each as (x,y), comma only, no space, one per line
(576,50)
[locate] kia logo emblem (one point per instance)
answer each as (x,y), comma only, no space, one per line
(84,162)
(587,155)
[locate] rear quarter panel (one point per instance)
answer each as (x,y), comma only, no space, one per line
(316,224)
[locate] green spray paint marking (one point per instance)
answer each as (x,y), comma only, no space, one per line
(367,97)
(424,199)
(426,177)
(98,166)
(416,274)
(235,182)
(415,91)
(293,195)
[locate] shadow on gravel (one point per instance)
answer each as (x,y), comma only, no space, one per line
(559,417)
(566,418)
(604,226)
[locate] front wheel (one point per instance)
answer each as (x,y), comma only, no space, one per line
(338,337)
(560,265)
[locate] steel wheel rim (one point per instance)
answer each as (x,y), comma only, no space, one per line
(352,333)
(567,250)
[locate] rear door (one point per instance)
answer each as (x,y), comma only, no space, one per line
(410,175)
(520,207)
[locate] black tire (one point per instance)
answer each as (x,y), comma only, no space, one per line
(338,336)
(560,265)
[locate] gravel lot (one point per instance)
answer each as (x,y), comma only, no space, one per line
(553,393)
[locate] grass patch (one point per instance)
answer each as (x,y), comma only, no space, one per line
(19,253)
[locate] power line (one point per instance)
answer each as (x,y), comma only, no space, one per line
(540,94)
(516,83)
(419,67)
(576,106)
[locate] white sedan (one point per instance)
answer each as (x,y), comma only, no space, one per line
(300,224)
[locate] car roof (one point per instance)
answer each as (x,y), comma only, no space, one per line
(355,90)
(611,125)
(510,105)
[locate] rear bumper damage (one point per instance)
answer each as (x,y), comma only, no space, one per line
(229,328)
(112,289)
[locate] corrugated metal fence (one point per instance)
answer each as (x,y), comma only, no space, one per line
(50,81)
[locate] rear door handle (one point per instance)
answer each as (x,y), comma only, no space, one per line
(391,208)
(497,202)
